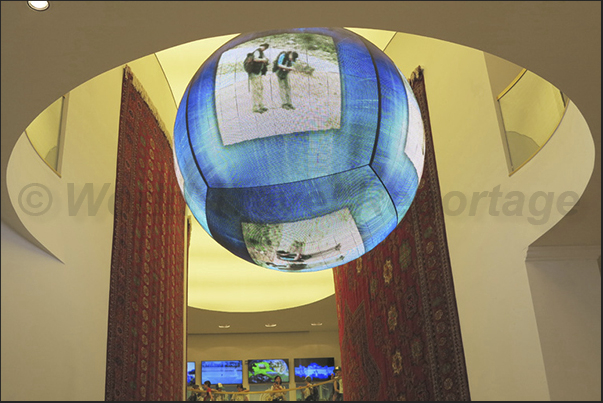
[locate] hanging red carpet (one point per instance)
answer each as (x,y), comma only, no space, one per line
(146,302)
(398,323)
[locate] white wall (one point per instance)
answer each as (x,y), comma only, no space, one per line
(55,314)
(257,346)
(566,291)
(57,311)
(487,248)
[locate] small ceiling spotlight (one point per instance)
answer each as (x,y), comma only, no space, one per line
(316,324)
(270,325)
(38,5)
(223,326)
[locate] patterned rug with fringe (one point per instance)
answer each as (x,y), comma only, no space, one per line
(399,329)
(146,302)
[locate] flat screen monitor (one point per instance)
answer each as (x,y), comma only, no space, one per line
(224,372)
(318,369)
(191,373)
(265,371)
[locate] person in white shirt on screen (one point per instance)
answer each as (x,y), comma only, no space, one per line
(260,66)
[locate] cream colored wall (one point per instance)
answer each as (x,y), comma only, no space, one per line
(566,294)
(57,311)
(148,71)
(257,346)
(54,314)
(498,324)
(566,290)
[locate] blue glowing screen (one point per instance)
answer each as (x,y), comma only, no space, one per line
(304,158)
(224,372)
(191,376)
(318,369)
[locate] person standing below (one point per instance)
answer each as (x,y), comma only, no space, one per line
(260,66)
(194,394)
(284,67)
(219,397)
(337,386)
(278,385)
(208,396)
(240,397)
(308,391)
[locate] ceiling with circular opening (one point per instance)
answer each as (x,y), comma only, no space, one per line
(221,281)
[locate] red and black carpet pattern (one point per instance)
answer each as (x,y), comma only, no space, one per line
(145,341)
(398,323)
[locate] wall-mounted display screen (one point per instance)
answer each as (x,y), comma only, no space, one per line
(265,371)
(225,372)
(191,373)
(318,369)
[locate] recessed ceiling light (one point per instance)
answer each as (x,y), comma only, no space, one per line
(316,324)
(38,5)
(270,325)
(223,326)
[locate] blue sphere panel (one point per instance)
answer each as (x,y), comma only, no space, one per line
(195,188)
(306,188)
(391,161)
(364,213)
(289,157)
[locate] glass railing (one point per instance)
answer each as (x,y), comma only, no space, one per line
(45,134)
(531,109)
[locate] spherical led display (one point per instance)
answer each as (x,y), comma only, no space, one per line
(299,150)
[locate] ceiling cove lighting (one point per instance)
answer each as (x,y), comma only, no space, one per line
(302,169)
(38,5)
